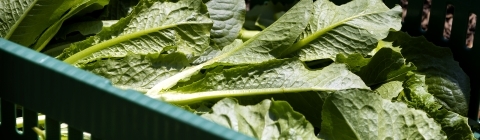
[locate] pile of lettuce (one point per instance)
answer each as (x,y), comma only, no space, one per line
(317,71)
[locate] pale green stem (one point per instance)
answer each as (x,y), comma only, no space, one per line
(40,133)
(189,98)
(247,34)
(95,48)
(172,81)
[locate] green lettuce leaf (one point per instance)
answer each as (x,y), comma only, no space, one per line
(50,32)
(148,29)
(308,103)
(390,90)
(19,19)
(212,52)
(454,125)
(73,32)
(354,27)
(355,62)
(416,95)
(259,48)
(228,17)
(363,114)
(265,120)
(384,66)
(271,77)
(446,81)
(139,72)
(85,28)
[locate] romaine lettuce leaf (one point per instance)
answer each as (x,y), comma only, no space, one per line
(85,28)
(354,27)
(308,103)
(363,114)
(266,120)
(150,28)
(446,81)
(139,72)
(260,48)
(386,65)
(416,95)
(50,32)
(20,19)
(228,17)
(355,62)
(271,77)
(390,90)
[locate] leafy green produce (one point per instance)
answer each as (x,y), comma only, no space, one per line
(416,95)
(314,70)
(228,17)
(446,80)
(385,65)
(50,32)
(265,120)
(256,50)
(390,90)
(85,28)
(173,24)
(354,27)
(19,19)
(362,114)
(277,77)
(145,71)
(308,103)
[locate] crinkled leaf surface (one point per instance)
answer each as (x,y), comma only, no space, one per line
(363,114)
(444,77)
(19,19)
(139,72)
(390,90)
(211,52)
(278,36)
(354,27)
(308,103)
(259,48)
(416,96)
(266,120)
(416,93)
(228,17)
(152,26)
(271,77)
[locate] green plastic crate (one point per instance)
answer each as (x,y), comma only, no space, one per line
(89,103)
